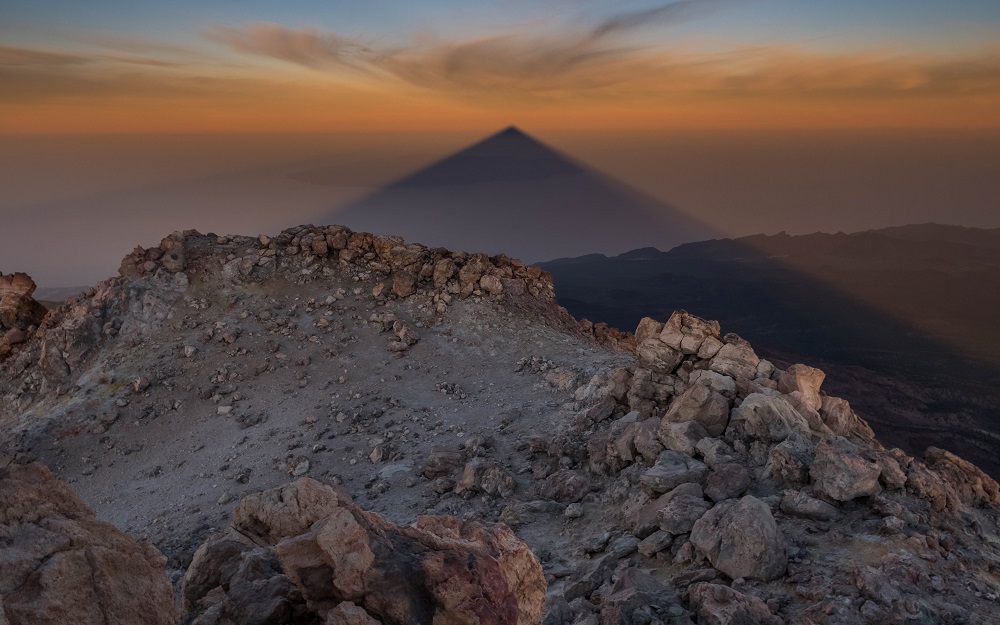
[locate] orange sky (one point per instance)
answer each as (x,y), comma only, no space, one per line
(267,77)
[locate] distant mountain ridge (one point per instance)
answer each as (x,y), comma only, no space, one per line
(912,307)
(513,194)
(885,241)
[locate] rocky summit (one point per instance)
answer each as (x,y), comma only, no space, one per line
(331,427)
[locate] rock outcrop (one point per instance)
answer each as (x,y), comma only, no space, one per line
(59,564)
(305,550)
(20,314)
(671,476)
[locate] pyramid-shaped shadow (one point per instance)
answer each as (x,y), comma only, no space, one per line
(511,193)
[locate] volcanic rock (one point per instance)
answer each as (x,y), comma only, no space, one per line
(61,565)
(353,566)
(741,539)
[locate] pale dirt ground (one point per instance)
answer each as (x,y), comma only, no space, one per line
(170,469)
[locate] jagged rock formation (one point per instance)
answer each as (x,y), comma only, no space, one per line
(303,553)
(667,476)
(61,565)
(19,313)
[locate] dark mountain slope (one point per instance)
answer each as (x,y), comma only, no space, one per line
(905,328)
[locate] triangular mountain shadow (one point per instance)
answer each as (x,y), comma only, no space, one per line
(511,193)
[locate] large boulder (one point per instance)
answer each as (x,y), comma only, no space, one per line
(843,471)
(805,380)
(657,356)
(771,419)
(353,566)
(19,312)
(842,420)
(968,482)
(736,359)
(741,539)
(686,333)
(701,404)
(17,307)
(59,564)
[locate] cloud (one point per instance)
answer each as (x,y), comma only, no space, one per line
(594,64)
(671,12)
(306,47)
(28,57)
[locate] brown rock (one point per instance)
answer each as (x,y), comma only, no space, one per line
(970,484)
(444,269)
(286,511)
(491,284)
(17,308)
(680,514)
(682,437)
(726,481)
(485,476)
(353,566)
(61,565)
(441,463)
(566,486)
(404,283)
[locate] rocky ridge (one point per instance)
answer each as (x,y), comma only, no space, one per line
(670,476)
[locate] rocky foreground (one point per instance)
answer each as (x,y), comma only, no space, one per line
(425,402)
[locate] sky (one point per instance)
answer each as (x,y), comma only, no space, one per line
(121,122)
(251,66)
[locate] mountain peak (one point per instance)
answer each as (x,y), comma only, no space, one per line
(506,156)
(511,131)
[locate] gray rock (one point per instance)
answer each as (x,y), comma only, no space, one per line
(806,380)
(672,469)
(798,504)
(645,520)
(703,405)
(655,543)
(789,461)
(771,419)
(716,604)
(657,356)
(680,514)
(681,437)
(741,539)
(736,359)
(841,472)
(726,481)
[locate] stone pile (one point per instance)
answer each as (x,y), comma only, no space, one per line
(304,551)
(759,499)
(153,280)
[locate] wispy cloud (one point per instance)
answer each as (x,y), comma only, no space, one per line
(27,57)
(596,63)
(671,12)
(307,47)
